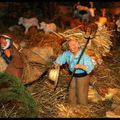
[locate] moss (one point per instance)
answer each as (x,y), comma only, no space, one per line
(17,91)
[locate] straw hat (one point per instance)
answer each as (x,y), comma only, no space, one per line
(53,75)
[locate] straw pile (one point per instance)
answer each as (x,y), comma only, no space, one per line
(41,39)
(38,54)
(54,104)
(66,111)
(100,43)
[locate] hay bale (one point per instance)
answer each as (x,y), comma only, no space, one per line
(36,62)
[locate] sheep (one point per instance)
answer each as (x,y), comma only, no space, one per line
(48,28)
(27,23)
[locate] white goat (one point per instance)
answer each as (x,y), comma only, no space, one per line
(47,28)
(27,23)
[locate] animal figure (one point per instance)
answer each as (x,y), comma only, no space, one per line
(27,23)
(114,10)
(65,22)
(102,19)
(104,12)
(83,12)
(92,9)
(101,23)
(75,22)
(48,28)
(63,16)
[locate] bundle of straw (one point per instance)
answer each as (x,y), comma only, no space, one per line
(98,46)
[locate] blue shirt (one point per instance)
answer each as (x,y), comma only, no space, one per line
(67,57)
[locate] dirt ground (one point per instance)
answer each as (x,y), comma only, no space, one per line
(48,100)
(53,104)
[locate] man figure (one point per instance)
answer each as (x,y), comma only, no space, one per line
(78,91)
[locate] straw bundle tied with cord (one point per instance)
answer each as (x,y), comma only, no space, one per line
(98,47)
(36,62)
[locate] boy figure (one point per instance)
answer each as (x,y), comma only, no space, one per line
(11,56)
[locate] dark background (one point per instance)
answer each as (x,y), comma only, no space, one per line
(11,11)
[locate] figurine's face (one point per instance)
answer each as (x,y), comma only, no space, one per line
(73,46)
(5,43)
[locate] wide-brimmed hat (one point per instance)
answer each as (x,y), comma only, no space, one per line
(5,36)
(7,39)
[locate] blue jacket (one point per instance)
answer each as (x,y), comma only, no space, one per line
(67,57)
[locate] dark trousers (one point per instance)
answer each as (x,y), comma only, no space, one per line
(78,91)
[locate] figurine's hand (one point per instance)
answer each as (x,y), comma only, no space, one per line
(55,65)
(80,66)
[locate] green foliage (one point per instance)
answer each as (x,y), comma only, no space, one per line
(17,91)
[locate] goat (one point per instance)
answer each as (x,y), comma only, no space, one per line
(47,28)
(27,23)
